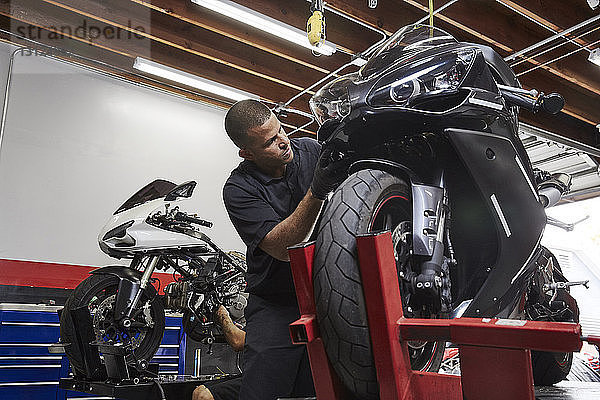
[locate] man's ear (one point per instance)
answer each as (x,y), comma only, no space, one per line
(246,154)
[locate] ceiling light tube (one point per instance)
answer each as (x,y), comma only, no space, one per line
(595,56)
(265,23)
(185,78)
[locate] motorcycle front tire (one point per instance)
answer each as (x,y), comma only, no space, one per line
(90,292)
(550,368)
(339,298)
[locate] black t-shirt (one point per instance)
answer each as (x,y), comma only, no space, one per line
(256,203)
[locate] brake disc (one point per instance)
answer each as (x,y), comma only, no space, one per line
(107,329)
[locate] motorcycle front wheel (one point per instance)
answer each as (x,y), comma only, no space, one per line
(98,293)
(367,201)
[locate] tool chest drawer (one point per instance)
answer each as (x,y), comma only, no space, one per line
(28,368)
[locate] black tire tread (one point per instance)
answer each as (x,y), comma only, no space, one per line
(546,369)
(338,290)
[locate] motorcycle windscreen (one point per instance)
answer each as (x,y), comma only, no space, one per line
(152,191)
(512,200)
(405,44)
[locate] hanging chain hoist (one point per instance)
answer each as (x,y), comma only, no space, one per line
(315,26)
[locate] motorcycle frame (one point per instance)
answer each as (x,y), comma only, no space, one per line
(133,280)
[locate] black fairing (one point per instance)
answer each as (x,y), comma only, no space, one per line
(519,217)
(120,271)
(469,135)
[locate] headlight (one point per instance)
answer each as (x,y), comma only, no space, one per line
(332,100)
(437,74)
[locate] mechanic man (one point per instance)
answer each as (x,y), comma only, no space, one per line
(273,198)
(229,389)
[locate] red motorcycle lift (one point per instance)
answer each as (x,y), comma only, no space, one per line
(495,354)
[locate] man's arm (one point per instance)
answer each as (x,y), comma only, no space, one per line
(292,230)
(234,336)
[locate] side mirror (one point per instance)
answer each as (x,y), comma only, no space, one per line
(553,103)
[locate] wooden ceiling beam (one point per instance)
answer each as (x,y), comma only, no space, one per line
(528,14)
(586,111)
(389,16)
(560,13)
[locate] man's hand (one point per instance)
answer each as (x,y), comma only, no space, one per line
(329,173)
(221,315)
(234,336)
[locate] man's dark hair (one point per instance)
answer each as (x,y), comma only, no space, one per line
(242,116)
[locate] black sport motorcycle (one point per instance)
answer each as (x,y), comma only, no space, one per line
(430,125)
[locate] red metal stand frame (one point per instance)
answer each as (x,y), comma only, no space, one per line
(494,353)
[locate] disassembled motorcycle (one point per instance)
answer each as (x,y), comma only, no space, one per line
(124,304)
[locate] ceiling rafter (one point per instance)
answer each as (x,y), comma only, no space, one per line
(543,21)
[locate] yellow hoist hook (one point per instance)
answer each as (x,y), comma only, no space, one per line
(315,26)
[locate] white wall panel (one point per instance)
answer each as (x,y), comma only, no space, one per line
(78,143)
(6,51)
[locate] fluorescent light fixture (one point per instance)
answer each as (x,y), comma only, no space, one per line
(595,56)
(172,74)
(265,23)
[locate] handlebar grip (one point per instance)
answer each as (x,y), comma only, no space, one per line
(179,216)
(520,100)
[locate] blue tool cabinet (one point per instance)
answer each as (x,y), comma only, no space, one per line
(29,370)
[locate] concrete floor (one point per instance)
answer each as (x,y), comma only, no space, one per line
(567,390)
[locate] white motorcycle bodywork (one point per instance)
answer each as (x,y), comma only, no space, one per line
(139,235)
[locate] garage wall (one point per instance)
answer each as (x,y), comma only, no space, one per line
(6,51)
(78,143)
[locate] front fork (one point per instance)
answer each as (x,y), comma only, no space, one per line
(130,292)
(430,212)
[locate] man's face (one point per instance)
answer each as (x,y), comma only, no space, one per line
(268,146)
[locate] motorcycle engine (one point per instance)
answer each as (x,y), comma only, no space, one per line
(176,295)
(213,285)
(236,306)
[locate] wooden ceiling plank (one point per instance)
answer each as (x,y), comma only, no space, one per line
(559,13)
(556,50)
(562,124)
(389,16)
(544,22)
